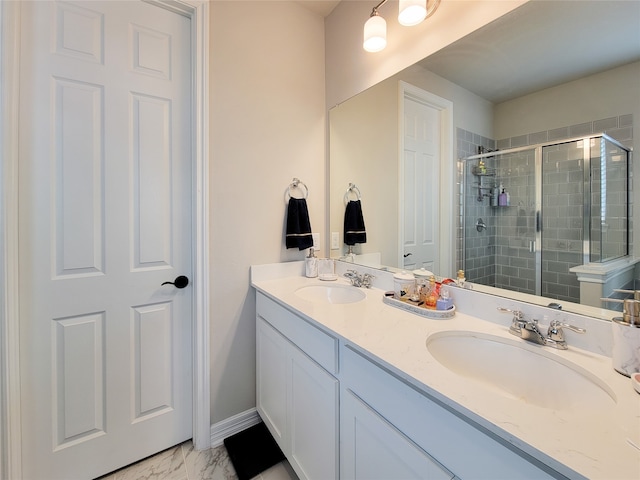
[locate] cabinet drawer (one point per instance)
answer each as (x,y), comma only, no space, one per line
(460,446)
(317,344)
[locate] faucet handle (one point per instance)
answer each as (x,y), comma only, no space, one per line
(556,333)
(517,322)
(518,315)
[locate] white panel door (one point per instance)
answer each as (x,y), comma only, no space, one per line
(105,206)
(421,184)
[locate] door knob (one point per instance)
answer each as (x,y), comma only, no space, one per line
(179,282)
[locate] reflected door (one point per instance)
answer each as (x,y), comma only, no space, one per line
(105,220)
(517,224)
(420,185)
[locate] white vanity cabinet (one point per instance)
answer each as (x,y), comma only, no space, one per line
(297,392)
(384,419)
(363,420)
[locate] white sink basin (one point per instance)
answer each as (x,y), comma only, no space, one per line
(338,294)
(515,369)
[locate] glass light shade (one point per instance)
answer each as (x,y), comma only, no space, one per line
(411,12)
(375,34)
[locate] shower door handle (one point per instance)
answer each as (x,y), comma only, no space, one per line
(532,246)
(538,226)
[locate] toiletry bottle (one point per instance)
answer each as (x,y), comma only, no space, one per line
(311,265)
(431,297)
(508,199)
(502,199)
(482,168)
(460,280)
(494,195)
(445,302)
(422,281)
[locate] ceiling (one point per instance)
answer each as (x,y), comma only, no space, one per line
(542,44)
(321,7)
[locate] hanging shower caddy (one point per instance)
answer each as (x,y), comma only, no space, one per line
(482,171)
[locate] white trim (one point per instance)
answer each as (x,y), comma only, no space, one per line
(201,347)
(10,430)
(10,434)
(233,425)
(447,170)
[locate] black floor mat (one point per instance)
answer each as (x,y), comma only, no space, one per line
(253,451)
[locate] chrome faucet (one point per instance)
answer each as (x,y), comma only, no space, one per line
(358,280)
(530,331)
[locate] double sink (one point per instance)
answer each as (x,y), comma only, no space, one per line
(512,368)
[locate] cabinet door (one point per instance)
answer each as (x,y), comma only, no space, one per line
(271,380)
(299,401)
(314,421)
(374,449)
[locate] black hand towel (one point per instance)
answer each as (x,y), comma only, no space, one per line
(354,231)
(298,225)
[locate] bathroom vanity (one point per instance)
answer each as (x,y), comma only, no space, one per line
(353,388)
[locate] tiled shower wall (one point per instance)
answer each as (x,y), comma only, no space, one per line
(480,265)
(500,256)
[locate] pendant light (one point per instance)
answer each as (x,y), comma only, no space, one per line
(375,33)
(411,12)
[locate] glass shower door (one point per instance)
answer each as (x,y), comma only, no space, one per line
(563,217)
(609,200)
(516,223)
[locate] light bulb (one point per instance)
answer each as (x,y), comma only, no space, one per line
(375,34)
(411,12)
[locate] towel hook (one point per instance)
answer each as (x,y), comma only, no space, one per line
(352,189)
(299,184)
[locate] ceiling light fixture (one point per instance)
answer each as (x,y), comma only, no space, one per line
(410,12)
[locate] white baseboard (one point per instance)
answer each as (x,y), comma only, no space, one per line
(233,425)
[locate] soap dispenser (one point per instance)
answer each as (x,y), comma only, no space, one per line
(502,197)
(626,339)
(311,264)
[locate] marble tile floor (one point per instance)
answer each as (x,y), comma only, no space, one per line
(182,462)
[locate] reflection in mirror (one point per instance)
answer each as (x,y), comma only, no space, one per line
(550,208)
(537,75)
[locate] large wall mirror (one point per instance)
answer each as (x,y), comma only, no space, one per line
(547,70)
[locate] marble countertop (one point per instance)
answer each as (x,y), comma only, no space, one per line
(576,441)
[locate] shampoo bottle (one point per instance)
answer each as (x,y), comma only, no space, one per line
(494,195)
